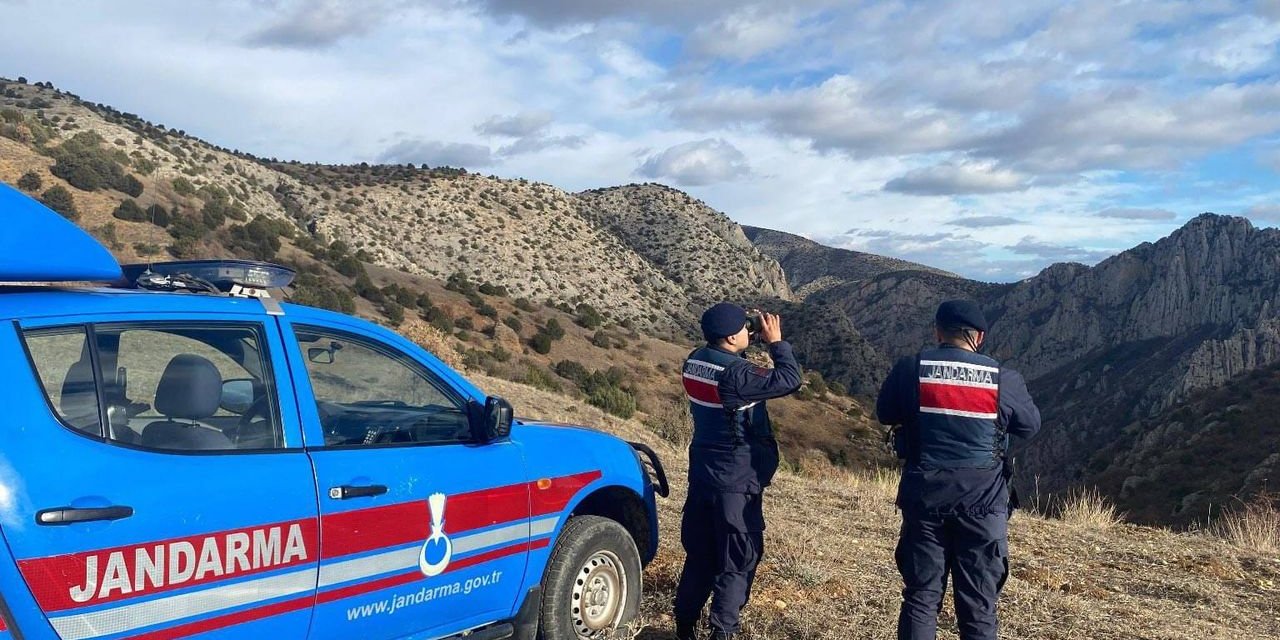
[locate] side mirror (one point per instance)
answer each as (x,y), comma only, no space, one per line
(324,355)
(237,395)
(493,421)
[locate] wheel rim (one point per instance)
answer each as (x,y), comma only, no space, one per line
(599,594)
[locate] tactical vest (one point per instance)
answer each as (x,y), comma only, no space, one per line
(958,421)
(712,423)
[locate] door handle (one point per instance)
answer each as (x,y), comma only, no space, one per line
(348,491)
(69,515)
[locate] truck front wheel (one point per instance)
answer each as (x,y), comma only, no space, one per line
(592,584)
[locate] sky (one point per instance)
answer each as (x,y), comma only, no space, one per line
(991,139)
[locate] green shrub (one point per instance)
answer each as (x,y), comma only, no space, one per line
(258,240)
(538,378)
(317,291)
(130,211)
(187,227)
(541,343)
(601,339)
(458,282)
(348,266)
(525,304)
(146,248)
(465,323)
(86,165)
(487,311)
(365,288)
(158,215)
(588,317)
(129,185)
(572,370)
(614,400)
(553,329)
(489,289)
(438,318)
(60,200)
(816,383)
(144,166)
(30,182)
(394,312)
(514,323)
(183,186)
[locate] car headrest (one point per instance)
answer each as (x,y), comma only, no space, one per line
(190,388)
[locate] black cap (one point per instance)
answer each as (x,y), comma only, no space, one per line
(723,320)
(957,314)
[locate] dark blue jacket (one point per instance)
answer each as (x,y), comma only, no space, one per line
(733,448)
(954,437)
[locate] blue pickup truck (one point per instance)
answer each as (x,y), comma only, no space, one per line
(185,455)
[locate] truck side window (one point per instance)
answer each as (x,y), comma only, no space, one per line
(368,393)
(166,386)
(62,364)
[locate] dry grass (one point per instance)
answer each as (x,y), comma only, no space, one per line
(829,571)
(1088,508)
(431,339)
(1253,525)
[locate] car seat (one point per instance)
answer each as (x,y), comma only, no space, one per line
(78,402)
(190,390)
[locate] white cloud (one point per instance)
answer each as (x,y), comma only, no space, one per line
(983,222)
(314,24)
(1136,214)
(697,163)
(1238,45)
(839,114)
(1133,128)
(436,153)
(743,35)
(515,126)
(534,144)
(1269,213)
(958,178)
(1058,252)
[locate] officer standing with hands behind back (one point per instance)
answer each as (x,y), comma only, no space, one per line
(732,458)
(954,409)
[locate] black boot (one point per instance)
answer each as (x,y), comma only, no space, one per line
(686,630)
(717,634)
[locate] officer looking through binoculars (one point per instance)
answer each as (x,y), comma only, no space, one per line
(732,458)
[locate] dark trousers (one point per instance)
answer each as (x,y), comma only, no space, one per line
(723,538)
(973,550)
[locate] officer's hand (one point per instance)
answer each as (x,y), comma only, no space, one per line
(770,328)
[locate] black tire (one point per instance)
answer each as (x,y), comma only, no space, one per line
(592,559)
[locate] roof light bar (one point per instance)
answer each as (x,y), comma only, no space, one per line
(237,277)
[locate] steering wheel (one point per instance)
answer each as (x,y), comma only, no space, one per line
(258,408)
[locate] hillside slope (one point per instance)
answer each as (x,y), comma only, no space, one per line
(691,243)
(1188,463)
(624,252)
